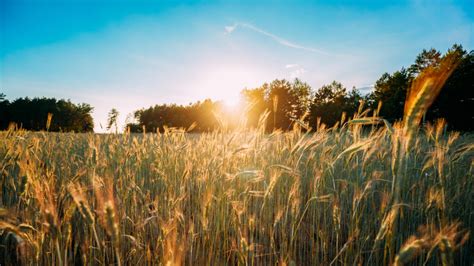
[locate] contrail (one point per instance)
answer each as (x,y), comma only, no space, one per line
(282,41)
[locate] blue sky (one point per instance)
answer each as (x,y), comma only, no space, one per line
(133,54)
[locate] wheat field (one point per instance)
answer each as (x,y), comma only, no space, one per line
(347,195)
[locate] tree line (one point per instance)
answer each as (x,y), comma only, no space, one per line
(284,102)
(45,113)
(454,103)
(289,101)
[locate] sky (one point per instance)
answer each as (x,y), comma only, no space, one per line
(134,54)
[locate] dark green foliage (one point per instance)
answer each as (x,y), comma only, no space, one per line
(32,114)
(157,117)
(425,59)
(286,101)
(454,102)
(3,111)
(391,90)
(331,101)
(112,119)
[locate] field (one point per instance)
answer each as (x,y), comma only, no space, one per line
(347,195)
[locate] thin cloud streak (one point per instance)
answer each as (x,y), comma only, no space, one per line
(296,70)
(297,73)
(366,89)
(280,40)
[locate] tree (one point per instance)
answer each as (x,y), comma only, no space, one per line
(423,60)
(3,111)
(391,90)
(286,101)
(201,114)
(331,101)
(455,101)
(280,97)
(112,119)
(300,100)
(256,104)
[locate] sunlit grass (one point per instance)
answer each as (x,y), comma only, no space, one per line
(237,198)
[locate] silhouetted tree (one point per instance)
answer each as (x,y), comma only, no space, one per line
(32,114)
(391,90)
(286,101)
(423,60)
(112,119)
(256,104)
(157,117)
(331,101)
(456,100)
(280,96)
(3,111)
(300,100)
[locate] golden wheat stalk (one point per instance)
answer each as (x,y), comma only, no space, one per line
(425,88)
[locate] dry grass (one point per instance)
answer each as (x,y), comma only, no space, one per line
(239,198)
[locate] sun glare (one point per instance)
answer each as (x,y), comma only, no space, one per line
(232,102)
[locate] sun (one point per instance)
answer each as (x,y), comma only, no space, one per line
(232,102)
(232,107)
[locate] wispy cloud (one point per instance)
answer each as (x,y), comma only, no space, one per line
(297,73)
(280,40)
(296,70)
(230,29)
(366,88)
